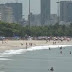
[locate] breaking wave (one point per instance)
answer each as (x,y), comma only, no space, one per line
(20,51)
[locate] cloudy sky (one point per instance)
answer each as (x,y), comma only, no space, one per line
(35,6)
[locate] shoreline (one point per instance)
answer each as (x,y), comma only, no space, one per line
(21,44)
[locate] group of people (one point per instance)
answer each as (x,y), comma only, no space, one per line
(52,69)
(61,51)
(27,44)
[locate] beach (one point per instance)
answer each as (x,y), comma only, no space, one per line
(17,44)
(14,57)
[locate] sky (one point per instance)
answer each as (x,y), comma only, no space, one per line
(35,6)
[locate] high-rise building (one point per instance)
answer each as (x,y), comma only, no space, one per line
(34,19)
(11,12)
(45,12)
(66,11)
(17,10)
(53,19)
(6,13)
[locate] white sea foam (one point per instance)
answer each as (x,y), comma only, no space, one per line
(20,51)
(46,47)
(4,59)
(8,53)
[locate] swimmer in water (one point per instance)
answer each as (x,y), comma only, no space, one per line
(61,52)
(49,48)
(51,69)
(61,47)
(70,52)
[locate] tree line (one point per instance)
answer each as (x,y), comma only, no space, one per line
(12,29)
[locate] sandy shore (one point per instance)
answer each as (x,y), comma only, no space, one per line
(15,44)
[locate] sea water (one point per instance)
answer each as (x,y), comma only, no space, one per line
(37,59)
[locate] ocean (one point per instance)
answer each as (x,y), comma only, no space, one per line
(37,59)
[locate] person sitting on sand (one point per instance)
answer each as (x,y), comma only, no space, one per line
(46,40)
(21,43)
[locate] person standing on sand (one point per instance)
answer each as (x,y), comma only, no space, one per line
(2,41)
(46,40)
(26,45)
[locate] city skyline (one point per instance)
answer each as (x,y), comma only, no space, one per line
(35,6)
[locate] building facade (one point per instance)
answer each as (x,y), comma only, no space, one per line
(11,12)
(45,12)
(6,13)
(34,19)
(66,11)
(17,11)
(53,19)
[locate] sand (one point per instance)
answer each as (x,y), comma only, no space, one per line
(15,44)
